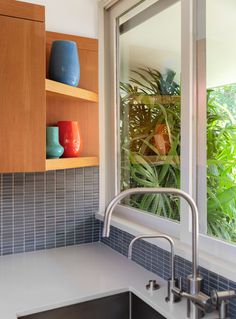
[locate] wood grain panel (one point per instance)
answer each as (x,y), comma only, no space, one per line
(63,109)
(86,113)
(88,55)
(65,163)
(22,10)
(89,70)
(22,98)
(82,42)
(54,87)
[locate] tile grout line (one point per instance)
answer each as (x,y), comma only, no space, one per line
(55,208)
(34,214)
(45,211)
(1,212)
(24,239)
(13,212)
(64,205)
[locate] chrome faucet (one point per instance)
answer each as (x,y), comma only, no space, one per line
(172,282)
(194,280)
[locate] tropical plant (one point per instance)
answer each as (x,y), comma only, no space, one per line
(151,98)
(145,102)
(221,168)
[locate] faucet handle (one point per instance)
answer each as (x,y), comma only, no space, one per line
(177,292)
(201,300)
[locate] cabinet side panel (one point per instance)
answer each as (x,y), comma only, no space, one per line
(23,10)
(22,98)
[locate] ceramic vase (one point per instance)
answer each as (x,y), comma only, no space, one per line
(53,147)
(64,62)
(69,137)
(161,139)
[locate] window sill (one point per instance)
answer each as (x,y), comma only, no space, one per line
(215,264)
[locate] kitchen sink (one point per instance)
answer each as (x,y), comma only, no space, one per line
(119,306)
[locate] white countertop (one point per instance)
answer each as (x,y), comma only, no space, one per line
(37,281)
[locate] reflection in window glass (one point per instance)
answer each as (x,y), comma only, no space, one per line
(150,106)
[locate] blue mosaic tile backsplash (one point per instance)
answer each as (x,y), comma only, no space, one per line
(48,210)
(157,260)
(57,208)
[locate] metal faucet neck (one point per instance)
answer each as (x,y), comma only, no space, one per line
(170,241)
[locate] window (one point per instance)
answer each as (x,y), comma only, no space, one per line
(170,116)
(218,53)
(150,106)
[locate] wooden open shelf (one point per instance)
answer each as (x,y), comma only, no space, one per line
(68,103)
(70,91)
(64,163)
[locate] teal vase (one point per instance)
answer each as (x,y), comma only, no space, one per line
(53,149)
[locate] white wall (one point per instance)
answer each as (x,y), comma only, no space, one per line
(78,17)
(156,43)
(221,42)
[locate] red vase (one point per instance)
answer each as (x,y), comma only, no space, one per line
(69,138)
(162,139)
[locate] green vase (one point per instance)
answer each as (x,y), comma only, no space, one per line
(53,147)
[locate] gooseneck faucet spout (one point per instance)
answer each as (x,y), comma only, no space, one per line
(172,250)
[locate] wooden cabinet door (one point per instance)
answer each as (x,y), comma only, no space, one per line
(22,95)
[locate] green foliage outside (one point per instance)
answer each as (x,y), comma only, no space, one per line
(221,162)
(150,99)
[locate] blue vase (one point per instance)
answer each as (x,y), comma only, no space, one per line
(64,62)
(53,147)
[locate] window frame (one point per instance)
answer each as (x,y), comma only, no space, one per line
(192,158)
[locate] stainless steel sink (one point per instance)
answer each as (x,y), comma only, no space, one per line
(120,306)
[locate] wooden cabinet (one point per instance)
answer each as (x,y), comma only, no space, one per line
(29,102)
(22,83)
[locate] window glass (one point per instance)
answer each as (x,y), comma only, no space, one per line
(221,118)
(150,106)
